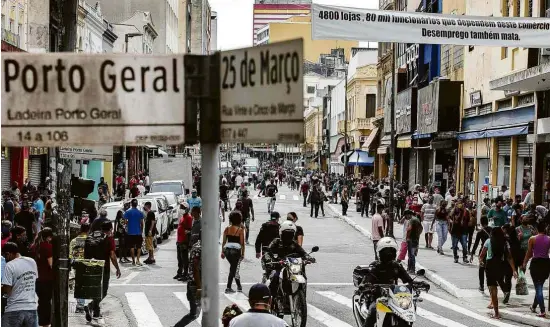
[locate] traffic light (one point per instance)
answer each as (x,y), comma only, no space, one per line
(81,187)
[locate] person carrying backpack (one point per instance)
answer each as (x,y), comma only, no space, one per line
(100,245)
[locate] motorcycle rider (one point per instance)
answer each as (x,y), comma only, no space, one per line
(282,247)
(386,270)
(268,232)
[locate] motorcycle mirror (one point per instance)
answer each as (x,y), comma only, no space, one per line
(315,249)
(421,272)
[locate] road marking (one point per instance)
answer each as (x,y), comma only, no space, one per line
(419,311)
(222,284)
(282,197)
(325,318)
(296,198)
(239,299)
(182,296)
(142,310)
(130,276)
(437,318)
(451,306)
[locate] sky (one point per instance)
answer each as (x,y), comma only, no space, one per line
(235,19)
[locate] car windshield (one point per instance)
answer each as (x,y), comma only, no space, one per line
(167,187)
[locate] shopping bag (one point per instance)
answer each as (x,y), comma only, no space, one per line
(521,286)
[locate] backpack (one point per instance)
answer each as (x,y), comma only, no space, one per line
(95,246)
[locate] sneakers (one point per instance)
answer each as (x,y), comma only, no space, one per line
(178,276)
(481,290)
(456,260)
(88,312)
(183,278)
(465,260)
(240,289)
(229,291)
(506,298)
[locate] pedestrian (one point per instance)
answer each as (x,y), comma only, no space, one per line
(121,234)
(377,228)
(230,312)
(247,211)
(314,199)
(365,198)
(233,249)
(497,216)
(271,191)
(304,190)
(134,239)
(8,212)
(427,214)
(538,248)
(19,283)
(19,237)
(100,245)
(76,252)
(25,218)
(459,230)
(150,232)
(335,188)
(185,224)
(195,200)
(6,231)
(493,256)
(414,230)
(322,198)
(259,315)
(472,223)
(513,243)
(406,217)
(344,200)
(481,236)
(43,253)
(147,182)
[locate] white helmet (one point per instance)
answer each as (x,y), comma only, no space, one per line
(387,249)
(287,225)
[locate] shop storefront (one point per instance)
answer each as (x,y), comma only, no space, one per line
(405,123)
(38,165)
(5,168)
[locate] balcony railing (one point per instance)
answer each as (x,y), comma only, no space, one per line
(341,126)
(10,37)
(362,123)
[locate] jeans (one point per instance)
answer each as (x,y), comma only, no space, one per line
(364,207)
(44,290)
(226,204)
(233,256)
(305,198)
(23,318)
(539,296)
(194,308)
(247,225)
(412,247)
(344,208)
(463,240)
(471,236)
(442,229)
(183,258)
(316,207)
(375,251)
(322,206)
(271,204)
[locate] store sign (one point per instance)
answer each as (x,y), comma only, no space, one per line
(343,23)
(403,111)
(36,151)
(475,99)
(427,115)
(99,153)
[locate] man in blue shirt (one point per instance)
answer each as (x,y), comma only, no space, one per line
(194,200)
(134,238)
(38,206)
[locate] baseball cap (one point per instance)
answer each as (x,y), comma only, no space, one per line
(259,292)
(274,215)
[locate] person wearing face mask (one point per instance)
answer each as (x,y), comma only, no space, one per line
(497,215)
(194,200)
(19,237)
(459,230)
(18,284)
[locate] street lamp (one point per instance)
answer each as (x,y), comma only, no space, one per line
(345,69)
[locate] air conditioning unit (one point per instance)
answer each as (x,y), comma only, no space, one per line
(545,51)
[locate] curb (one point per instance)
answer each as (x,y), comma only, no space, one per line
(523,318)
(113,312)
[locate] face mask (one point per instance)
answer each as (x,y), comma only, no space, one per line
(194,195)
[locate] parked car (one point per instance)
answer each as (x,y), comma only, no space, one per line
(174,202)
(160,206)
(175,186)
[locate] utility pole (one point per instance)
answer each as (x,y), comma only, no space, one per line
(389,231)
(346,123)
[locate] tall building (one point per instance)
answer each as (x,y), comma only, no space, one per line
(14,25)
(214,32)
(201,16)
(184,26)
(268,11)
(164,14)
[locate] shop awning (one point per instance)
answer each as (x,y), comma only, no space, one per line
(341,157)
(360,158)
(404,141)
(373,134)
(522,129)
(417,135)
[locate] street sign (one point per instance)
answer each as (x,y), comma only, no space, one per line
(100,153)
(262,94)
(74,99)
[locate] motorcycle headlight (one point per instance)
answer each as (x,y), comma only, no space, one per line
(404,302)
(295,269)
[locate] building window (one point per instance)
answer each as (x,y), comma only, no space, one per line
(3,21)
(517,6)
(458,55)
(529,9)
(504,104)
(310,89)
(12,25)
(371,105)
(503,53)
(505,8)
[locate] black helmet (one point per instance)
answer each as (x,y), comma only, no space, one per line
(274,216)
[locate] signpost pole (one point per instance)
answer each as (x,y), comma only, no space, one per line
(346,124)
(392,142)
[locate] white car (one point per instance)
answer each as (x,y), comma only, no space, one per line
(175,186)
(174,202)
(160,206)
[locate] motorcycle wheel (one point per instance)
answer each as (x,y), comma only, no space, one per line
(358,317)
(299,313)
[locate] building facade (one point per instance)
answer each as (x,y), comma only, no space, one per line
(141,22)
(213,32)
(269,11)
(201,19)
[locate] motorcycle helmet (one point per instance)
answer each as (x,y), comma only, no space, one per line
(287,231)
(387,249)
(274,216)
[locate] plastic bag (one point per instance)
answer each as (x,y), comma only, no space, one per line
(521,286)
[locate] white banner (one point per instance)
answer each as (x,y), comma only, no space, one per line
(343,23)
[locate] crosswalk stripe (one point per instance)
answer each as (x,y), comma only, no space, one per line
(142,310)
(337,298)
(295,197)
(182,296)
(282,197)
(451,306)
(324,317)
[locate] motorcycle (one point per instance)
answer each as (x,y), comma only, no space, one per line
(395,303)
(291,294)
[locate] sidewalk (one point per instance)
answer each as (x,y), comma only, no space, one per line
(459,280)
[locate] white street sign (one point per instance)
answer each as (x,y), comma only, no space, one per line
(74,99)
(101,153)
(262,94)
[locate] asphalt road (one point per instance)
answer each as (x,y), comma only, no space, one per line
(152,298)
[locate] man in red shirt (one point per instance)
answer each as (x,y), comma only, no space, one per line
(304,190)
(182,242)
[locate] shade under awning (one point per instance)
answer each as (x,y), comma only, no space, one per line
(360,158)
(373,134)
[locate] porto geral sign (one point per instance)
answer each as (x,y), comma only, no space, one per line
(74,99)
